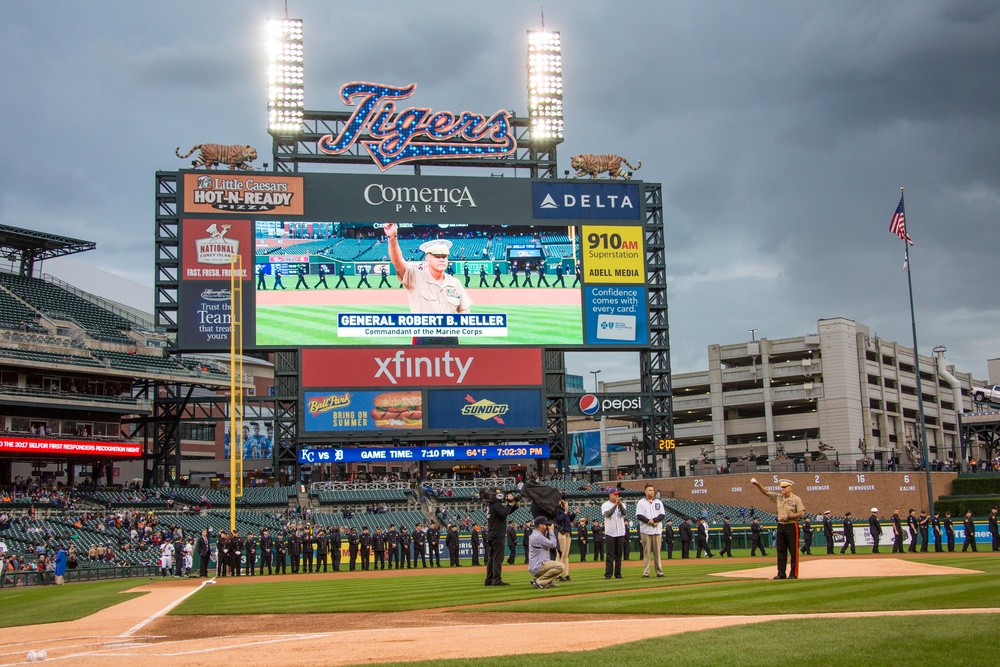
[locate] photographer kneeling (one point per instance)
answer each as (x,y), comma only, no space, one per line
(540,564)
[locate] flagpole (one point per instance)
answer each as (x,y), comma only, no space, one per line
(925,451)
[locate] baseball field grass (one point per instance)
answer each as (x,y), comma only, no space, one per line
(824,621)
(952,641)
(688,589)
(30,605)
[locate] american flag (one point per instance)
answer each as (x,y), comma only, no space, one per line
(898,224)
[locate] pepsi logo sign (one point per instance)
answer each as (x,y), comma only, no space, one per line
(590,404)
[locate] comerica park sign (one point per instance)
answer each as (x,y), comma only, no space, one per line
(415,133)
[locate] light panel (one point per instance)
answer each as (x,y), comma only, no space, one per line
(285,81)
(545,85)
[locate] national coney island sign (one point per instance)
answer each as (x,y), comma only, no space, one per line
(394,136)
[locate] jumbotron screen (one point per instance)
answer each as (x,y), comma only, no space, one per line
(355,260)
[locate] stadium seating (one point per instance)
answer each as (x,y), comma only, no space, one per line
(500,243)
(362,496)
(143,363)
(50,357)
(557,250)
(371,519)
(308,248)
(14,314)
(56,302)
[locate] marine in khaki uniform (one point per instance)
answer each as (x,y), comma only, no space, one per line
(789,509)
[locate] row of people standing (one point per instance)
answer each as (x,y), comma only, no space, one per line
(304,550)
(920,528)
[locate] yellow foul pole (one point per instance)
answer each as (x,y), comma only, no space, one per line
(235,385)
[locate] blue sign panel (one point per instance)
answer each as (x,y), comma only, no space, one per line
(433,453)
(586,201)
(615,315)
(493,409)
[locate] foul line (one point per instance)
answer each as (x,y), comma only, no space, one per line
(135,628)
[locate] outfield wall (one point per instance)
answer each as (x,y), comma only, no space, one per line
(838,492)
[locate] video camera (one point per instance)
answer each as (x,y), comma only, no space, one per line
(487,496)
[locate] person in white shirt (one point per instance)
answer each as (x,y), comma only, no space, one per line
(166,558)
(649,513)
(614,534)
(541,542)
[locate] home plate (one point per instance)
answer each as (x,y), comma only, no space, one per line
(833,568)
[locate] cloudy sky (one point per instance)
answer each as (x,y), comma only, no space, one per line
(781,132)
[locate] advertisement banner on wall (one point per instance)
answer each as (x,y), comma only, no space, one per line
(613,254)
(615,315)
(242,194)
(362,411)
(205,314)
(586,201)
(207,247)
(257,439)
(421,367)
(28,446)
(493,409)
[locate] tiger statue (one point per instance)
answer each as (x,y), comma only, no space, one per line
(235,156)
(597,164)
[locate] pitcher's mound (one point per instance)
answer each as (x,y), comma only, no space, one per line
(832,568)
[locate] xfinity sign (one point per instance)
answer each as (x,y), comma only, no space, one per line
(586,201)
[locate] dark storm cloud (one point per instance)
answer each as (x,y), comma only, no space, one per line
(781,132)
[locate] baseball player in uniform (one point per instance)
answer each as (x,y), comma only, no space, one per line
(649,513)
(789,510)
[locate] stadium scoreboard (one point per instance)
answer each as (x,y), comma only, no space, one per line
(546,263)
(555,263)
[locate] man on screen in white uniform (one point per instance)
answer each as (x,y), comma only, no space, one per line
(429,287)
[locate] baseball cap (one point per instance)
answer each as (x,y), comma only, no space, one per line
(615,492)
(541,521)
(436,247)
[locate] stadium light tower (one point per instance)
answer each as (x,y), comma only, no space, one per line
(285,92)
(545,86)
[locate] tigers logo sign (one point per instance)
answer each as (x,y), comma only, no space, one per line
(414,134)
(232,193)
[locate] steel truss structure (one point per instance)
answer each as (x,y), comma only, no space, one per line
(980,429)
(290,151)
(174,403)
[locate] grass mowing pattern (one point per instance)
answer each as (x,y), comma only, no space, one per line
(686,590)
(30,605)
(317,325)
(942,641)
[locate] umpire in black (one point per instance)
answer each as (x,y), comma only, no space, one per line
(499,509)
